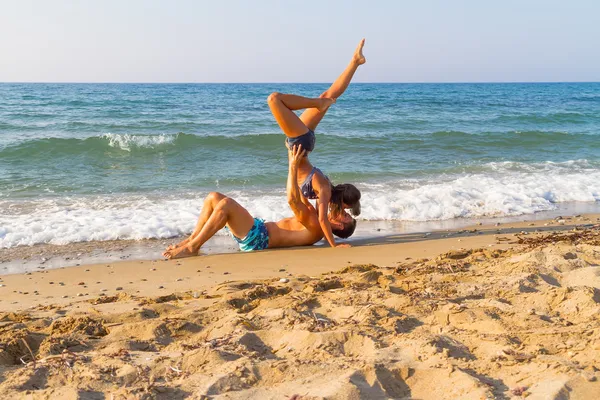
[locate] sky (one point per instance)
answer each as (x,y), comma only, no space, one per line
(298,41)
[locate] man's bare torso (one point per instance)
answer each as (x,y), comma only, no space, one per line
(290,232)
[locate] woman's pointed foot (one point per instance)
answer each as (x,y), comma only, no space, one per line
(359,58)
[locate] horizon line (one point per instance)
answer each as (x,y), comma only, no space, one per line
(283,83)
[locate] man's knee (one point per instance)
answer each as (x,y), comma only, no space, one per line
(215,197)
(226,204)
(273,97)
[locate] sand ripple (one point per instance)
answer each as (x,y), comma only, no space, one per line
(470,324)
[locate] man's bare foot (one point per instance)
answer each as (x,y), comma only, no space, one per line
(174,246)
(359,58)
(326,102)
(180,252)
(171,247)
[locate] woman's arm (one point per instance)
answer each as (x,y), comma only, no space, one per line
(322,187)
(323,208)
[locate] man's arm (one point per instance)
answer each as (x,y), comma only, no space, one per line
(306,214)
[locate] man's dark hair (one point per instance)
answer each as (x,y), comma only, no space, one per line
(346,231)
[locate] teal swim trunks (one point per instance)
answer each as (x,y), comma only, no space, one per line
(256,239)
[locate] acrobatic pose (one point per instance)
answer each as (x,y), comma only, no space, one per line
(331,200)
(220,211)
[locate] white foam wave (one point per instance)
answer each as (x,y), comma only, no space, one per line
(127,142)
(109,218)
(501,193)
(569,166)
(481,195)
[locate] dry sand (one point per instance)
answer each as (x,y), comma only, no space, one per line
(472,315)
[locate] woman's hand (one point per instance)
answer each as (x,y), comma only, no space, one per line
(296,154)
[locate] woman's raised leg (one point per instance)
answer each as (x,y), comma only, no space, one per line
(282,106)
(312,116)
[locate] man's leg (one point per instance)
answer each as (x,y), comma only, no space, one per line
(312,116)
(226,212)
(210,202)
(282,106)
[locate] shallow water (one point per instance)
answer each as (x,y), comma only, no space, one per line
(93,162)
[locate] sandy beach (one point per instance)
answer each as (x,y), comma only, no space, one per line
(433,168)
(508,311)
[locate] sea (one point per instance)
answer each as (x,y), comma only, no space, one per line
(106,162)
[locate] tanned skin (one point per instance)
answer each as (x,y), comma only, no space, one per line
(303,229)
(283,106)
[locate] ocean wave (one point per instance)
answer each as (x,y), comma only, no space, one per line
(483,195)
(100,218)
(140,143)
(498,192)
(127,142)
(513,134)
(590,97)
(550,118)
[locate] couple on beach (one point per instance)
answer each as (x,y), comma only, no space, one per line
(309,224)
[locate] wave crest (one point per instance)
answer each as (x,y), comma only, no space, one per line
(501,192)
(127,142)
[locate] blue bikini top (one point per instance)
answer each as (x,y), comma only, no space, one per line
(307,187)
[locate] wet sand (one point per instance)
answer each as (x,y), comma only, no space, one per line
(22,259)
(483,312)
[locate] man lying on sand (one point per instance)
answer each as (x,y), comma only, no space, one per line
(303,229)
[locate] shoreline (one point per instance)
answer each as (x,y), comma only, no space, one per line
(22,259)
(66,284)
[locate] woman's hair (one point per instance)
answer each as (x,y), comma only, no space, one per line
(347,194)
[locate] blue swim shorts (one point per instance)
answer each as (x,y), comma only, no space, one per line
(256,239)
(307,141)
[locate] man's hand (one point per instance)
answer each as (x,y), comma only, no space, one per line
(295,155)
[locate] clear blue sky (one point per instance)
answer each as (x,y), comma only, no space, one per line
(298,41)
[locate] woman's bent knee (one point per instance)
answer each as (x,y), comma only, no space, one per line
(273,97)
